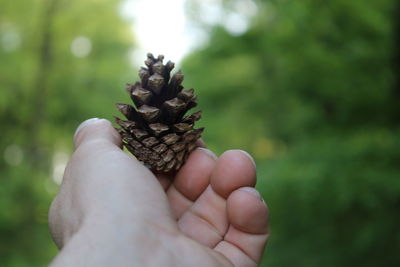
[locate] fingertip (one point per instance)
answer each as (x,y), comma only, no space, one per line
(84,124)
(252,191)
(241,160)
(249,231)
(194,176)
(254,217)
(248,156)
(234,169)
(96,129)
(208,152)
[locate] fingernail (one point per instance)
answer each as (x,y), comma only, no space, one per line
(252,191)
(86,123)
(249,156)
(209,152)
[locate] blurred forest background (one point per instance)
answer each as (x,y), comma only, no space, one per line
(311,89)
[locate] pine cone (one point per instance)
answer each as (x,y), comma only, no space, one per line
(157,131)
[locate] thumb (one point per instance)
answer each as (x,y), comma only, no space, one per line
(97,131)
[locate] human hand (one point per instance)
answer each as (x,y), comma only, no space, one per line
(112,211)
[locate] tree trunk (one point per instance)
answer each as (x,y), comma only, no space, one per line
(396,60)
(39,93)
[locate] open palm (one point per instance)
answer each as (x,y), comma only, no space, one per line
(209,214)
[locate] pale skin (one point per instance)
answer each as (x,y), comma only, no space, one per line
(112,211)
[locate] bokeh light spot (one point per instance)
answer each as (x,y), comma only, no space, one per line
(13,155)
(236,24)
(263,148)
(81,46)
(60,159)
(10,39)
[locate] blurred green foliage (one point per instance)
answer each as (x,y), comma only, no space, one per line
(311,90)
(61,62)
